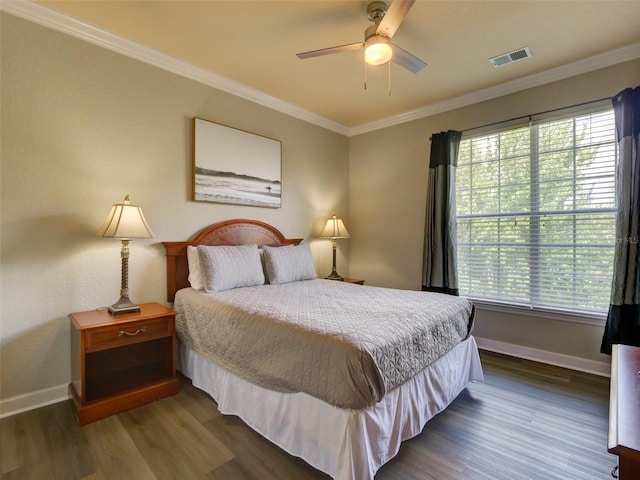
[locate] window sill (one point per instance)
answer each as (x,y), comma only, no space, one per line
(595,319)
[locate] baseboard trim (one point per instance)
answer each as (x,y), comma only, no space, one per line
(602,369)
(30,401)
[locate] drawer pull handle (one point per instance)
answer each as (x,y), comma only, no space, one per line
(140,330)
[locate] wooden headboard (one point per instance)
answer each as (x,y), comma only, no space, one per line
(231,232)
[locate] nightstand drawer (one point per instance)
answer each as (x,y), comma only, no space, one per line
(126,334)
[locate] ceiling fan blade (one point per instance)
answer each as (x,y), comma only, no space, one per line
(330,50)
(406,60)
(394,17)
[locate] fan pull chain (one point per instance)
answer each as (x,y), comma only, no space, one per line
(388,77)
(365,75)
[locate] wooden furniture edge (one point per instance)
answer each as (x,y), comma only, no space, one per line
(624,411)
(148,310)
(234,232)
(99,409)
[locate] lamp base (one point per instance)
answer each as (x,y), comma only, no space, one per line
(334,276)
(124,305)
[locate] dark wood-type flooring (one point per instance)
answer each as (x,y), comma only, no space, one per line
(527,421)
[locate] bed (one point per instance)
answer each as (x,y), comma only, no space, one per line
(335,373)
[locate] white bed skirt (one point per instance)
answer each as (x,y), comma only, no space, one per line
(346,444)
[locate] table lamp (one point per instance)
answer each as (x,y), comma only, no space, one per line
(125,221)
(334,229)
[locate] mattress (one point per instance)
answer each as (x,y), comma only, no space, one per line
(345,344)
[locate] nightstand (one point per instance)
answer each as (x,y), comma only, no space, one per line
(354,280)
(121,362)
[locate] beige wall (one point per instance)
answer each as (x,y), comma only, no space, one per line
(388,170)
(82,127)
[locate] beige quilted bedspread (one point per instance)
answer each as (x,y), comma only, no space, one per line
(345,344)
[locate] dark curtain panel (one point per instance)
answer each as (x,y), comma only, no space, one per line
(623,321)
(439,272)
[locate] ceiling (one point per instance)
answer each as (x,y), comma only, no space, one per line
(254,43)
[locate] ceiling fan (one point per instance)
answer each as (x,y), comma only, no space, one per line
(377,45)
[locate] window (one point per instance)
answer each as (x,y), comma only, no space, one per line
(536,214)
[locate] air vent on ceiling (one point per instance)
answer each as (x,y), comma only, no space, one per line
(511,57)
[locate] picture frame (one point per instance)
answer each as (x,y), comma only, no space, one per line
(235,167)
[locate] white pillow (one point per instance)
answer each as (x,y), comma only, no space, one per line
(227,267)
(196,275)
(289,264)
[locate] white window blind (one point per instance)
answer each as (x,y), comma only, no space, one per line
(536,214)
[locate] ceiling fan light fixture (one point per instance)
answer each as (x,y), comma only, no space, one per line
(377,50)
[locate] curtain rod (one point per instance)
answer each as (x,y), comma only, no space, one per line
(535,114)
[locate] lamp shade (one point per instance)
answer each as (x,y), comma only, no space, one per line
(125,221)
(335,229)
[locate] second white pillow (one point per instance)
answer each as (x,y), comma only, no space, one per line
(289,264)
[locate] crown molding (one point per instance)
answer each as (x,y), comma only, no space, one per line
(603,60)
(50,18)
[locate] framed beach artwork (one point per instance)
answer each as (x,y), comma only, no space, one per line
(234,166)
